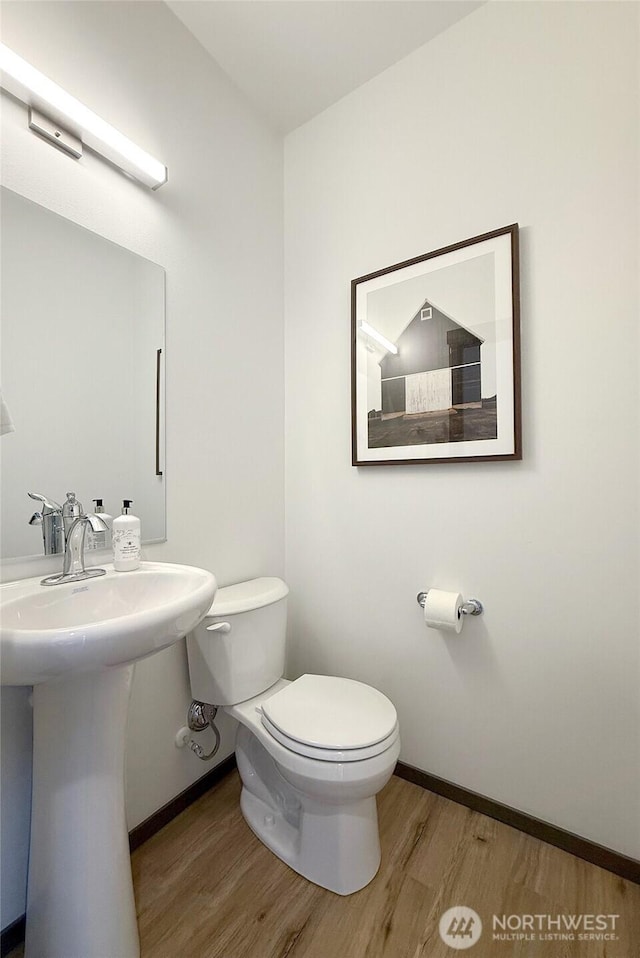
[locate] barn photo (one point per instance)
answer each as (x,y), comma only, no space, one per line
(434,356)
(431,388)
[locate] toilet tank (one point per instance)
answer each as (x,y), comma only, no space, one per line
(238,649)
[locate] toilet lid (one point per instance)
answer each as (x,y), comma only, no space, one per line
(331,713)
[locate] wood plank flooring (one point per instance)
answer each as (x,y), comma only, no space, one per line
(207,888)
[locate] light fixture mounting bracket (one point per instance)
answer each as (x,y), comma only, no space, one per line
(54,133)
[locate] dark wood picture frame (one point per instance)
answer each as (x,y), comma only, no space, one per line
(436,376)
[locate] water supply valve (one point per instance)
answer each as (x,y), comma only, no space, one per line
(200,716)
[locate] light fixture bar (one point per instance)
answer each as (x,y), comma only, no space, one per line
(379,338)
(32,87)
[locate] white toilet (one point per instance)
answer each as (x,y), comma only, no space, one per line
(312,753)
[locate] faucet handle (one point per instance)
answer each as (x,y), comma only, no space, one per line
(49,504)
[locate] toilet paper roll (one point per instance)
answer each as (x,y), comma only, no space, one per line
(442,610)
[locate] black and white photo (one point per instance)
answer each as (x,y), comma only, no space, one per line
(436,355)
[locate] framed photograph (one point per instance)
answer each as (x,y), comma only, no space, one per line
(435,361)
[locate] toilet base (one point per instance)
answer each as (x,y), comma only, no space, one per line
(333,844)
(336,847)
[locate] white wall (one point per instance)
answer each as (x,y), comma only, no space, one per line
(216,227)
(508,116)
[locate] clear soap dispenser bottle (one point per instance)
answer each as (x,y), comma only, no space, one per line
(101,539)
(126,540)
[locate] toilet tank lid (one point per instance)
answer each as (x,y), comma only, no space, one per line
(246,596)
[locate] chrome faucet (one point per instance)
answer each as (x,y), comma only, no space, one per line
(72,509)
(50,518)
(73,569)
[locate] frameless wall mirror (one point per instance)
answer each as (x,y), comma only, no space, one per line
(81,373)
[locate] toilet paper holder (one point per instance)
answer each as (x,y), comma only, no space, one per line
(469,607)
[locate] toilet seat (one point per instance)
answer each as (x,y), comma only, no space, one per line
(331,754)
(331,719)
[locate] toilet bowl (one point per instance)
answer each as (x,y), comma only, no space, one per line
(312,754)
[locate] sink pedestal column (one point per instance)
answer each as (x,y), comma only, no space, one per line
(80,899)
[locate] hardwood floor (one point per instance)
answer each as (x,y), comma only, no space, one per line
(207,888)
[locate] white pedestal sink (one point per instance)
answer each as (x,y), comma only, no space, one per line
(75,644)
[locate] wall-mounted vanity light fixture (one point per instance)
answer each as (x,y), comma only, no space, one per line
(59,117)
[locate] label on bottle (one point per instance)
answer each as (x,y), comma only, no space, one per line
(126,544)
(94,541)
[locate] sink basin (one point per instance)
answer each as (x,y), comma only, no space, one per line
(77,645)
(98,623)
